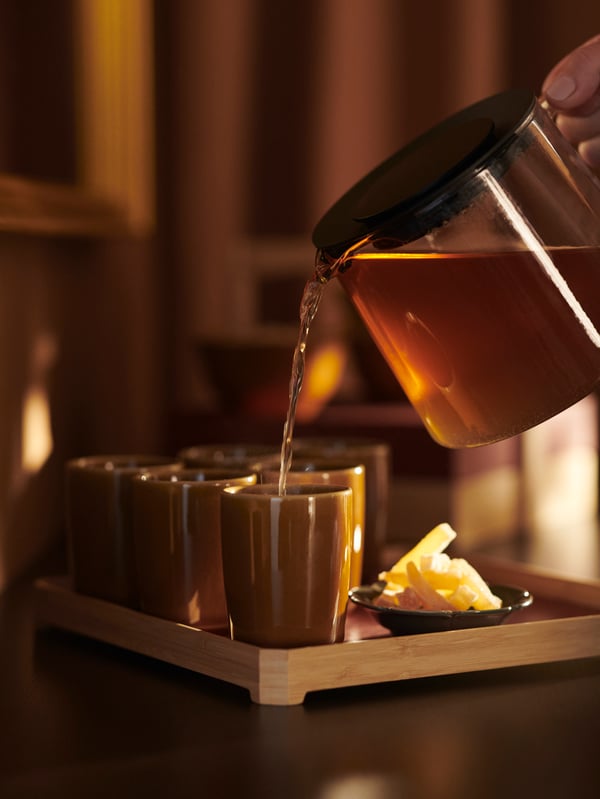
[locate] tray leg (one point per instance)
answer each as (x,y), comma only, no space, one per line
(266,695)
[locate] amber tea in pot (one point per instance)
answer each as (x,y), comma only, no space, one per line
(473,258)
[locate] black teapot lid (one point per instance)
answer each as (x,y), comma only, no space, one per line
(422,174)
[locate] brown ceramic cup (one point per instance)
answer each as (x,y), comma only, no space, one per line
(286,563)
(177,533)
(327,471)
(99,524)
(376,457)
(235,455)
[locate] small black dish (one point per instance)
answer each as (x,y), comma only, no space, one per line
(413,622)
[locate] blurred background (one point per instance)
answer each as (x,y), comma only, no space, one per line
(162,165)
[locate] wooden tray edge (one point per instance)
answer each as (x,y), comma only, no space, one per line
(284,677)
(541,582)
(190,648)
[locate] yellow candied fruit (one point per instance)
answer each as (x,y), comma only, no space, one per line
(485,600)
(463,597)
(396,581)
(436,540)
(441,580)
(429,596)
(435,562)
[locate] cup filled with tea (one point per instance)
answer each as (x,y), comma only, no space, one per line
(99,523)
(286,563)
(328,471)
(376,456)
(177,534)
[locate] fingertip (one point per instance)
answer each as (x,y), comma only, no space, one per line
(560,89)
(575,80)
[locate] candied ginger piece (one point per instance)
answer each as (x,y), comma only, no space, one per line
(387,600)
(441,581)
(463,598)
(435,568)
(396,581)
(485,600)
(405,599)
(409,599)
(436,540)
(430,597)
(435,562)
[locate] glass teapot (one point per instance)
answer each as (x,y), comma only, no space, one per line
(473,257)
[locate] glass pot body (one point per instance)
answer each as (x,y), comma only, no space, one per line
(490,320)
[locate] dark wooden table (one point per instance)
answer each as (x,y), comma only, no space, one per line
(80,718)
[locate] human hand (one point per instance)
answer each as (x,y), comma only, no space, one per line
(572,89)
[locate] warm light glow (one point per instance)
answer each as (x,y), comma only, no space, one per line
(357,786)
(194,609)
(413,383)
(358,536)
(394,255)
(560,490)
(36,426)
(115,105)
(36,431)
(324,372)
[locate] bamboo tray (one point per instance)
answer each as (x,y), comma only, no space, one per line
(562,624)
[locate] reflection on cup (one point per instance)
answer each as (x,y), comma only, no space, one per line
(286,563)
(376,457)
(332,473)
(99,523)
(177,533)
